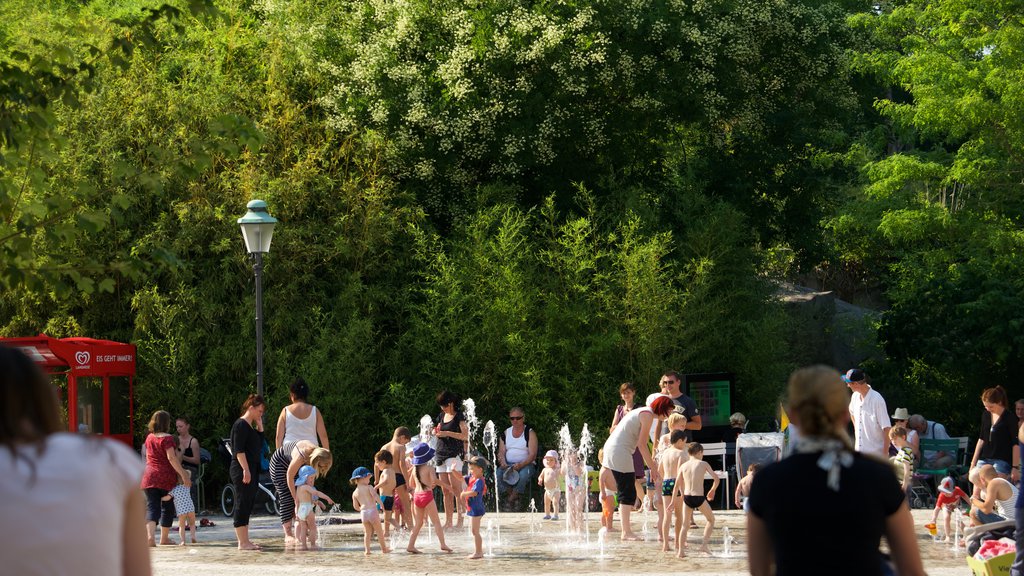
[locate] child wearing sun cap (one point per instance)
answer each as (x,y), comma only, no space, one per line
(307,498)
(950,496)
(364,500)
(548,478)
(474,493)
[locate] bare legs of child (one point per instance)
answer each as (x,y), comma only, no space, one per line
(371,528)
(478,541)
(306,532)
(673,510)
(420,516)
(681,532)
(190,521)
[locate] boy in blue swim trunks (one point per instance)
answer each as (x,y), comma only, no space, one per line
(401,471)
(474,496)
(386,488)
(690,482)
(668,466)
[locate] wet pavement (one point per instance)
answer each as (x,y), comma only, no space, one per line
(516,544)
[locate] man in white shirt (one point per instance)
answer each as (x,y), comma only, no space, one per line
(869,416)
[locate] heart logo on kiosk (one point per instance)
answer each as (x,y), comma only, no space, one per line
(82,358)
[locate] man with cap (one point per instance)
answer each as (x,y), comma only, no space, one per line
(869,416)
(517,452)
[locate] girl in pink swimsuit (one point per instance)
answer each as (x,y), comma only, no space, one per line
(423,498)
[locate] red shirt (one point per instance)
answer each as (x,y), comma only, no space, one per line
(159,472)
(946,499)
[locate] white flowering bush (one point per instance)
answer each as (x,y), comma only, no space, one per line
(469,92)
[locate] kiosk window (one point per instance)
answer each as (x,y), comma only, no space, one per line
(90,405)
(120,403)
(61,382)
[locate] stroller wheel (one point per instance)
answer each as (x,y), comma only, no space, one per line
(227,500)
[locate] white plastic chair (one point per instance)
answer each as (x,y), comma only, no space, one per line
(719,449)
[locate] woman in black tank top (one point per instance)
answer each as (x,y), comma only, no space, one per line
(452,433)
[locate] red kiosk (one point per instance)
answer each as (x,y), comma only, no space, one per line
(95,379)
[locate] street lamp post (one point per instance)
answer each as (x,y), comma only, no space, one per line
(258,230)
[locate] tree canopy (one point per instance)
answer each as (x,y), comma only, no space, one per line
(524,202)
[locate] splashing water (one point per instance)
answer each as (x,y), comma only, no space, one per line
(472,422)
(398,535)
(602,536)
(490,439)
(958,518)
(565,448)
(585,449)
(727,541)
(325,520)
(488,436)
(426,431)
(646,506)
(532,509)
(490,538)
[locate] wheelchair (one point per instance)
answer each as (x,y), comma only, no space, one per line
(265,495)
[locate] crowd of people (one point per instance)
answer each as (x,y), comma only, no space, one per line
(649,456)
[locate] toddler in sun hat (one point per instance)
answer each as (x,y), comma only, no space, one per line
(306,499)
(365,500)
(548,478)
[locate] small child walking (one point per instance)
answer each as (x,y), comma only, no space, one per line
(548,478)
(184,508)
(668,467)
(474,493)
(365,500)
(306,500)
(425,480)
(691,479)
(743,487)
(385,486)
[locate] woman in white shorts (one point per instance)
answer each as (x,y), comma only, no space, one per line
(452,432)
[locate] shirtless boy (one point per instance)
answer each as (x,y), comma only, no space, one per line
(668,465)
(690,482)
(385,486)
(401,471)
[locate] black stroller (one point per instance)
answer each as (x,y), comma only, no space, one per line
(266,494)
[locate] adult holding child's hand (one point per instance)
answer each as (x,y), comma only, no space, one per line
(284,468)
(163,468)
(631,434)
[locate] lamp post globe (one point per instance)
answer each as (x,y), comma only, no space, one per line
(257,231)
(257,227)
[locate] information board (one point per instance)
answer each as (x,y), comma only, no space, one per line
(713,395)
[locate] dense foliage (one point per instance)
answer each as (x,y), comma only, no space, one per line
(527,203)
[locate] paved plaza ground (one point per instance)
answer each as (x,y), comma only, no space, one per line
(527,546)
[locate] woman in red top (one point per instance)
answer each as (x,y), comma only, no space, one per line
(163,468)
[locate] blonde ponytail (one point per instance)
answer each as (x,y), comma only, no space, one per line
(818,400)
